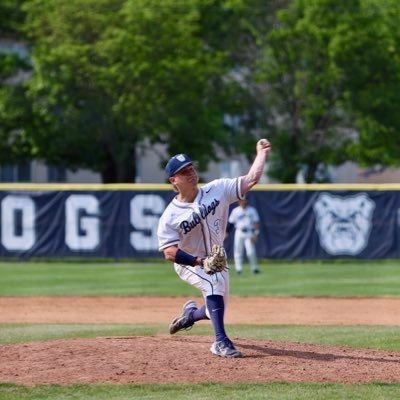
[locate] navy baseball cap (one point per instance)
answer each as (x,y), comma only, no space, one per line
(176,163)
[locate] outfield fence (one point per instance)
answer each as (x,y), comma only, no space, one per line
(120,221)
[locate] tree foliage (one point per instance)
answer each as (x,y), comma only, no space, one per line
(367,51)
(303,92)
(15,110)
(320,78)
(110,74)
(330,71)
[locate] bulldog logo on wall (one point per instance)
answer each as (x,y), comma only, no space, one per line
(343,224)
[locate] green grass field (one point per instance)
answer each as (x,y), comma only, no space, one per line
(378,278)
(272,391)
(374,278)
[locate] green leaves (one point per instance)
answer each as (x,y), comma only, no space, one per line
(332,71)
(320,78)
(113,73)
(368,55)
(15,110)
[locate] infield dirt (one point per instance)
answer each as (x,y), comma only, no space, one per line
(187,359)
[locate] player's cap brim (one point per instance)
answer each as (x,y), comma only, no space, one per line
(182,166)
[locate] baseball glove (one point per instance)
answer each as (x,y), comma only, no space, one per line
(254,237)
(216,261)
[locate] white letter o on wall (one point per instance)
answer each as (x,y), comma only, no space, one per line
(10,239)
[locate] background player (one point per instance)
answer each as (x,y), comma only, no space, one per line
(192,223)
(246,221)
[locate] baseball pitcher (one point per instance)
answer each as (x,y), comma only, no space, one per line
(191,232)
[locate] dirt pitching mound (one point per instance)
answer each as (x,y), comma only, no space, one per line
(187,359)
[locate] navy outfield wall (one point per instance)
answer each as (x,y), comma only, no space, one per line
(120,221)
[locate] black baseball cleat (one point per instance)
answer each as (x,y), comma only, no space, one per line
(184,321)
(256,271)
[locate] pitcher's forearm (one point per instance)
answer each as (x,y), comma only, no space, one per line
(255,172)
(257,168)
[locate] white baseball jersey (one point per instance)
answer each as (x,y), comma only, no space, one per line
(197,226)
(244,219)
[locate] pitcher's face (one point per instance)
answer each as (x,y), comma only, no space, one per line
(185,177)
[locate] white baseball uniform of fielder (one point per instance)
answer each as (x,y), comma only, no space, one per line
(195,227)
(244,219)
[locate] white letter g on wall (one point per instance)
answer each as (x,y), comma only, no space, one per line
(82,227)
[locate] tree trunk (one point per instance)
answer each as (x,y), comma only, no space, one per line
(310,174)
(122,169)
(109,173)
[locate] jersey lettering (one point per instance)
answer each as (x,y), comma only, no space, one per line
(205,210)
